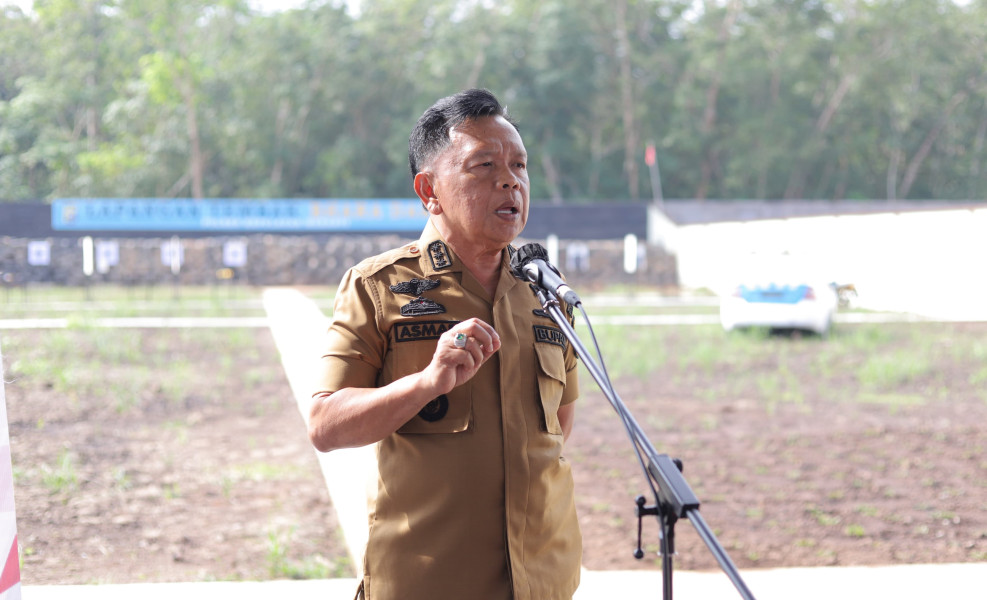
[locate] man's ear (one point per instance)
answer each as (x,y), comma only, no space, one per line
(423,187)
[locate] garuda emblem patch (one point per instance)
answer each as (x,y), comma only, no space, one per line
(420,305)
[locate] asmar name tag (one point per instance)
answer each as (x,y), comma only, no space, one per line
(421,330)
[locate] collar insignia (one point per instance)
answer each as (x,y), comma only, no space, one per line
(439,254)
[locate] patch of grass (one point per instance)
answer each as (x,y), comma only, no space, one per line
(890,399)
(262,471)
(822,517)
(855,531)
(118,363)
(704,355)
(259,375)
(257,472)
(116,346)
(171,491)
(778,387)
(979,377)
(175,388)
(118,301)
(80,322)
(178,431)
(869,337)
(126,393)
(62,477)
(280,566)
(42,368)
(121,479)
(885,371)
(946,517)
(627,351)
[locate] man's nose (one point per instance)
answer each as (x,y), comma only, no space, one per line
(508,179)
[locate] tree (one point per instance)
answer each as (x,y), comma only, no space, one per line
(742,98)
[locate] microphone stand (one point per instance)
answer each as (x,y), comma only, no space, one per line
(674,498)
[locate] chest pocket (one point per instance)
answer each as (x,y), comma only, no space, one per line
(449,413)
(551,383)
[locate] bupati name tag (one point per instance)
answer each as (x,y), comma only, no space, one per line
(550,335)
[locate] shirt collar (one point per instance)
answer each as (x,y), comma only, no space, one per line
(437,257)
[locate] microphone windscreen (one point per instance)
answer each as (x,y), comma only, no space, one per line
(525,255)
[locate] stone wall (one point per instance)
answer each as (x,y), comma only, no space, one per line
(282,260)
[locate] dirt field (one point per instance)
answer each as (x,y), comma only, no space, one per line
(187,460)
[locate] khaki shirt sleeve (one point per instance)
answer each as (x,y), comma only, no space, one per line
(354,346)
(571,392)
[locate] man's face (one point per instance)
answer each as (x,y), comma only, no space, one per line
(479,186)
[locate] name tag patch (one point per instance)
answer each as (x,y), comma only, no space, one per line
(550,335)
(421,330)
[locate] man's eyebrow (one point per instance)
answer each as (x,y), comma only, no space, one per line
(483,152)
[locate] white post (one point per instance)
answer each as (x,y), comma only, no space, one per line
(87,256)
(176,255)
(552,241)
(630,253)
(10,577)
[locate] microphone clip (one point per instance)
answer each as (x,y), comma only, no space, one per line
(544,298)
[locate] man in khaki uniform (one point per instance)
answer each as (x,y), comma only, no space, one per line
(438,354)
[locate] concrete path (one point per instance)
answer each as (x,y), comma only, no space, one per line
(298,327)
(906,582)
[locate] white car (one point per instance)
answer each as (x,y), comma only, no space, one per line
(779,293)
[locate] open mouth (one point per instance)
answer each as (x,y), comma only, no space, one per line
(508,211)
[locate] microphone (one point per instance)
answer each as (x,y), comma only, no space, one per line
(530,263)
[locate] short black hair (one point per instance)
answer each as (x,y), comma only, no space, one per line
(431,133)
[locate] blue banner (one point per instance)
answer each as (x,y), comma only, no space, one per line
(230,215)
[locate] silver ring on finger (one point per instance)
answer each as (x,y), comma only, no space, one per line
(460,341)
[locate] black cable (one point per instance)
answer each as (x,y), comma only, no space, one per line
(610,394)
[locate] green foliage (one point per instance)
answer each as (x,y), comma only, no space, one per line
(754,99)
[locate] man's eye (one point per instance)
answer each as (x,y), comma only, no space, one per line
(521,165)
